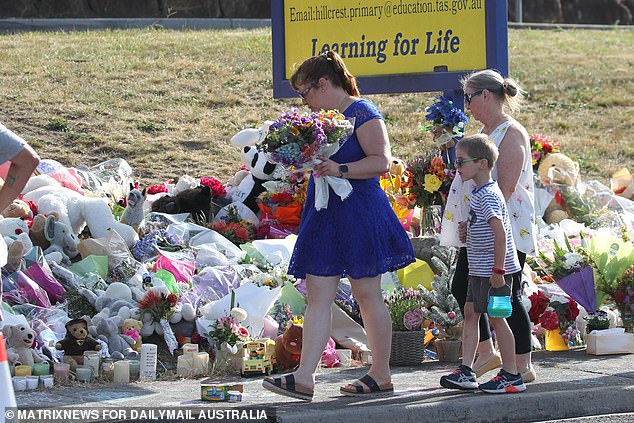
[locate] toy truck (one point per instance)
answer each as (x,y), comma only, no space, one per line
(258,357)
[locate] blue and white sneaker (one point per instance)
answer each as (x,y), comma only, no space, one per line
(461,378)
(503,383)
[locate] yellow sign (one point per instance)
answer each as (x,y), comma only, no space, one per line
(383,37)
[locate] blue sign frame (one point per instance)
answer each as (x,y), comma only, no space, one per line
(496,22)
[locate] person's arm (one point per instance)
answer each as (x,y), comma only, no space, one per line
(499,251)
(22,166)
(373,139)
(511,160)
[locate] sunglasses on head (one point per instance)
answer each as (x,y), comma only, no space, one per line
(460,162)
(469,97)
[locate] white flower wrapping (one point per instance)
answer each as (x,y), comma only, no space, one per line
(342,187)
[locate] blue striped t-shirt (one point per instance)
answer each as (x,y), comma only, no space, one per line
(488,202)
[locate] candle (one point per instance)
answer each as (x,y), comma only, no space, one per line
(46,381)
(40,369)
(84,373)
(107,369)
(185,366)
(23,370)
(32,382)
(201,363)
(61,371)
(135,368)
(190,349)
(92,359)
(148,362)
(19,383)
(121,372)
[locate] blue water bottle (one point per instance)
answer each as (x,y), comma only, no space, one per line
(500,305)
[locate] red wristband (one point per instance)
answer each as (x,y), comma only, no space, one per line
(499,271)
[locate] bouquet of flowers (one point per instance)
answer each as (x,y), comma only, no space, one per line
(395,184)
(428,185)
(234,228)
(228,330)
(295,140)
(430,180)
(407,310)
(564,261)
(282,202)
(541,145)
(624,295)
(447,122)
(556,313)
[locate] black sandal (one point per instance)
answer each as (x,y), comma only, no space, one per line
(290,389)
(374,388)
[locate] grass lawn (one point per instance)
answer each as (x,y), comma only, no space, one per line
(168,102)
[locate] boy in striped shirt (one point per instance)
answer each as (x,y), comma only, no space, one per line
(492,261)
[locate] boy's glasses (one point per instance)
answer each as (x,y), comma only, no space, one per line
(460,162)
(306,90)
(469,97)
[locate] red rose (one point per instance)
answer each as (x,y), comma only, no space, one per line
(282,198)
(572,311)
(549,320)
(619,296)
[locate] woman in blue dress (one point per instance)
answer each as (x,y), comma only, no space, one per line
(359,238)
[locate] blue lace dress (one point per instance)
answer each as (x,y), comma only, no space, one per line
(359,236)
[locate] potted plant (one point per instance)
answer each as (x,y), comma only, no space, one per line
(409,320)
(444,310)
(597,321)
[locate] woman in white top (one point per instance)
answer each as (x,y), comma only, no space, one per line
(488,95)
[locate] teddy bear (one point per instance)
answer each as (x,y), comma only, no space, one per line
(119,345)
(260,169)
(15,232)
(196,201)
(133,213)
(288,347)
(132,328)
(77,211)
(76,342)
(557,168)
(18,208)
(115,303)
(20,339)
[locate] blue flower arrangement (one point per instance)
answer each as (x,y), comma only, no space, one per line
(444,112)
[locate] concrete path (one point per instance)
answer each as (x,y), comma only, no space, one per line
(569,384)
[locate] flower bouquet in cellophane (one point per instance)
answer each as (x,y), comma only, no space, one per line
(295,140)
(446,122)
(428,185)
(395,184)
(281,206)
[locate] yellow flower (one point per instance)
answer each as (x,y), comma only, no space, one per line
(432,183)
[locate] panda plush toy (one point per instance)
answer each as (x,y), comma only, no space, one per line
(259,168)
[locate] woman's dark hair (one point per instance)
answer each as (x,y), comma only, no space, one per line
(327,65)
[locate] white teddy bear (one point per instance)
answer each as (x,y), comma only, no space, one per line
(15,232)
(78,211)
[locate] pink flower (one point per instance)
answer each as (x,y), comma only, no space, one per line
(243,332)
(451,315)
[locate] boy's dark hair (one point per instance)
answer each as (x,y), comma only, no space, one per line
(479,146)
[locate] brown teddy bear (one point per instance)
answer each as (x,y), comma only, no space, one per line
(76,342)
(20,339)
(132,328)
(288,348)
(18,208)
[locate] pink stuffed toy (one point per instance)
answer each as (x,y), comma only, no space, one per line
(329,357)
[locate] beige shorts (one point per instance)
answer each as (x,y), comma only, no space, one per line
(478,291)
